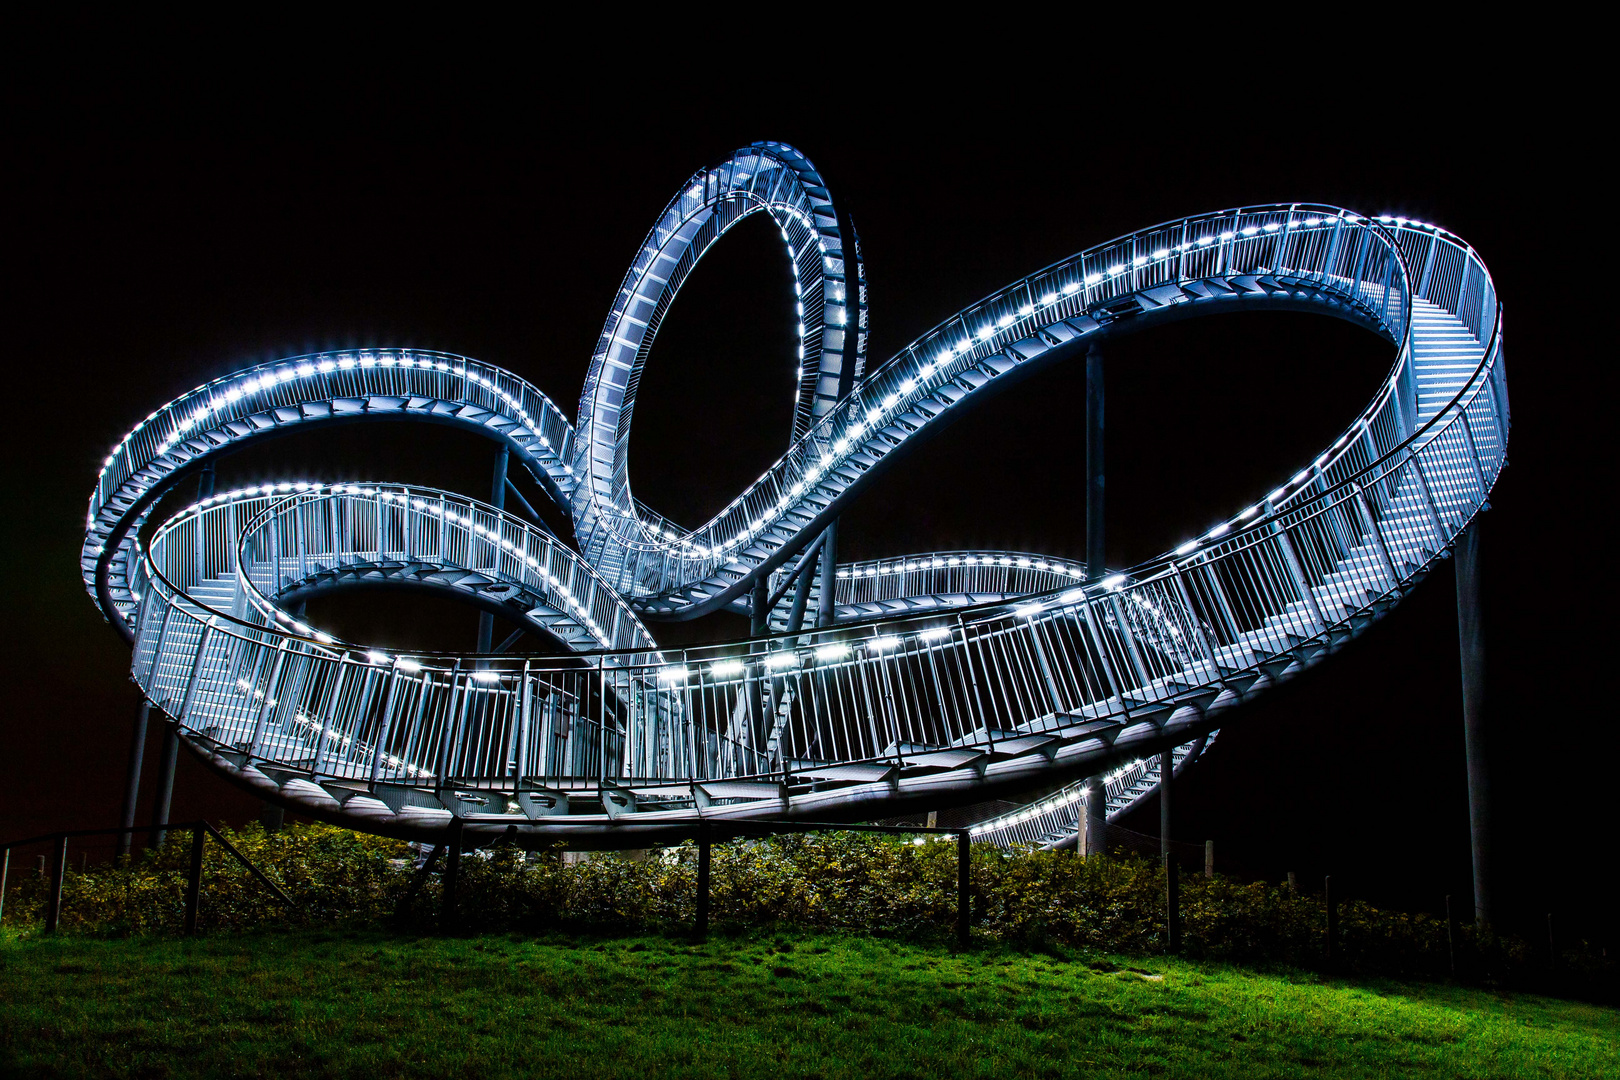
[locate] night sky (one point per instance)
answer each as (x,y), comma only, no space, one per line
(148,253)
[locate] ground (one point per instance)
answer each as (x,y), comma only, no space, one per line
(374,1005)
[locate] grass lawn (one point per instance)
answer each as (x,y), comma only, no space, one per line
(371,1005)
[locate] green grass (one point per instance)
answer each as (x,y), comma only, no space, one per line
(371,1005)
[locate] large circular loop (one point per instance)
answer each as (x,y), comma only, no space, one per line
(829,290)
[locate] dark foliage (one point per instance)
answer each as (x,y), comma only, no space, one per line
(827,881)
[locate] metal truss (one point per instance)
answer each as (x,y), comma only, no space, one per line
(928,680)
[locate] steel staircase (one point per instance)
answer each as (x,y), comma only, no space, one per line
(945,678)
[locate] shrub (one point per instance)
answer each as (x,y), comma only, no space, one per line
(860,882)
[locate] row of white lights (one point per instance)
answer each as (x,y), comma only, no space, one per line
(1067,797)
(787,659)
(262,380)
(937,562)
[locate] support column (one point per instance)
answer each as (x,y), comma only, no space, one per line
(1095,555)
(452,877)
(271,816)
(497,499)
(827,597)
(1471,646)
(759,618)
(165,781)
(132,785)
(1167,774)
(1096,822)
(702,920)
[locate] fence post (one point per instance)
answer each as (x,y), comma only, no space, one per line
(194,880)
(1451,936)
(963,898)
(53,904)
(1172,904)
(5,870)
(1209,858)
(703,881)
(1332,919)
(452,874)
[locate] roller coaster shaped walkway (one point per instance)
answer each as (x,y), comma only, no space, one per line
(869,689)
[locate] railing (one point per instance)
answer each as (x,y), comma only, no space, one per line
(321,387)
(954,573)
(1048,820)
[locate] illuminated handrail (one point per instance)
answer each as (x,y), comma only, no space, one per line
(343,386)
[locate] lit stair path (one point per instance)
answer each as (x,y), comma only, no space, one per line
(938,683)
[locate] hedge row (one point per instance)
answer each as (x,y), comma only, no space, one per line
(830,881)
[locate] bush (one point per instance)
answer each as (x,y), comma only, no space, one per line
(335,877)
(823,881)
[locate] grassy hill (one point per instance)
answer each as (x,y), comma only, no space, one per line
(323,1003)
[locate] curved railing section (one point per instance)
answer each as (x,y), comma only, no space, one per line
(318,389)
(1055,820)
(1317,258)
(995,681)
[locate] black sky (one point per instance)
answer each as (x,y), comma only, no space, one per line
(149,252)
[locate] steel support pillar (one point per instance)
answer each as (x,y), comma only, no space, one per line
(132,784)
(827,596)
(1095,554)
(194,879)
(701,928)
(1096,820)
(452,877)
(497,499)
(759,616)
(1471,646)
(165,781)
(1167,774)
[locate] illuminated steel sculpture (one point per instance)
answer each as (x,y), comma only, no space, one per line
(869,689)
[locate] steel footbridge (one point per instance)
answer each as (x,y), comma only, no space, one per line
(868,689)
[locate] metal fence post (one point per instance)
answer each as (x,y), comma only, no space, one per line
(1332,919)
(53,903)
(194,879)
(5,871)
(1209,858)
(1172,904)
(1451,936)
(964,848)
(703,881)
